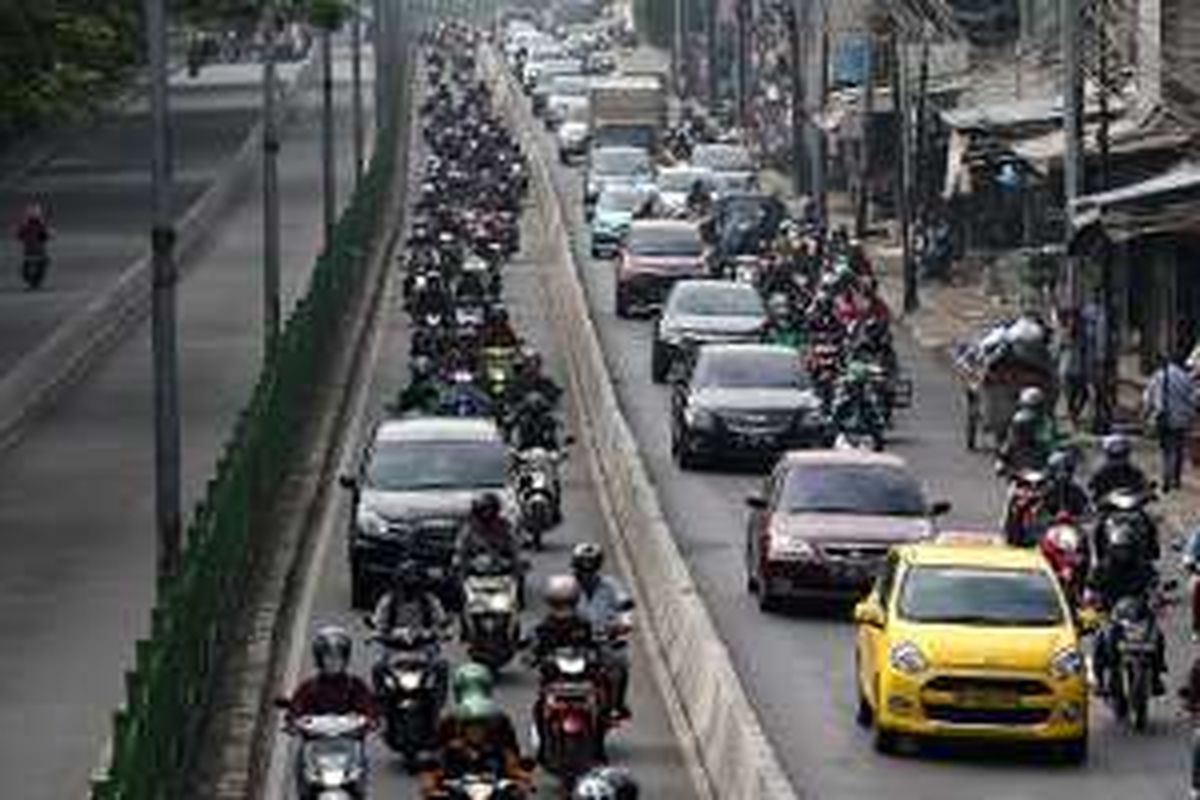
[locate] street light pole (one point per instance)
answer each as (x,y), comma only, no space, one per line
(1073,135)
(270,196)
(163,326)
(743,63)
(357,88)
(328,180)
(792,18)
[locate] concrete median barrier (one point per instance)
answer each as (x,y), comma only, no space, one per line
(79,342)
(723,739)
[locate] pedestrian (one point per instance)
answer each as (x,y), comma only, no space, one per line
(1169,403)
(1071,373)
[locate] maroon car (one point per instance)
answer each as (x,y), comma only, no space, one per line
(656,255)
(826,520)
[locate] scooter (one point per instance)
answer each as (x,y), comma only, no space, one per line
(491,627)
(572,715)
(34,267)
(331,761)
(539,494)
(409,690)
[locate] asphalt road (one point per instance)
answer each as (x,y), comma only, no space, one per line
(648,746)
(76,506)
(96,190)
(797,668)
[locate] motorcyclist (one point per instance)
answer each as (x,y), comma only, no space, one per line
(1116,470)
(564,626)
(602,600)
(1022,449)
(530,379)
(333,690)
(699,200)
(423,393)
(533,424)
(1064,495)
(475,735)
(486,532)
(821,319)
(1045,429)
(782,326)
(462,397)
(855,408)
(497,330)
(33,231)
(409,604)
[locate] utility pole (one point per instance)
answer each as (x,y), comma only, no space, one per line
(796,55)
(922,150)
(328,179)
(714,55)
(677,46)
(270,178)
(684,22)
(163,325)
(815,95)
(743,63)
(357,89)
(1073,135)
(862,200)
(903,102)
(1106,391)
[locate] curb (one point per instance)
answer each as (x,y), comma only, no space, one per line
(724,745)
(80,341)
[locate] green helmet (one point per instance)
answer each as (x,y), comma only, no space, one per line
(475,708)
(858,372)
(472,680)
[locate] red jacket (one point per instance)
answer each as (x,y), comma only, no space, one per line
(339,694)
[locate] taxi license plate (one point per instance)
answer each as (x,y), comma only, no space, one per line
(986,699)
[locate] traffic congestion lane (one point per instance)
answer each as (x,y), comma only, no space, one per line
(647,745)
(798,668)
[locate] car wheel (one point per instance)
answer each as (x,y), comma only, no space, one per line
(622,305)
(885,741)
(660,365)
(767,602)
(863,715)
(683,453)
(1075,751)
(752,582)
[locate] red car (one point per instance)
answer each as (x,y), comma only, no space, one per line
(656,255)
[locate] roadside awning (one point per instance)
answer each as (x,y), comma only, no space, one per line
(1166,203)
(1130,135)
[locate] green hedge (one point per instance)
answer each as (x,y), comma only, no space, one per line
(157,730)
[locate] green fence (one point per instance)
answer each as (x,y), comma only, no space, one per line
(157,729)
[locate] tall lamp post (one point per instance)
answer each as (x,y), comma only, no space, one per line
(270,193)
(327,16)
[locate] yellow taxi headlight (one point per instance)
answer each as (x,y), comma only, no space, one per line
(1067,663)
(906,657)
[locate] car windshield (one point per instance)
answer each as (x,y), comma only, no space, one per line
(716,301)
(424,465)
(727,158)
(570,85)
(682,181)
(749,370)
(974,596)
(628,200)
(872,489)
(577,111)
(682,242)
(621,162)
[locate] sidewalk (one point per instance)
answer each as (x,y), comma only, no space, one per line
(76,506)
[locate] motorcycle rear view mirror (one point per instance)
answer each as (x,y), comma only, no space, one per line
(368,622)
(347,481)
(282,703)
(756,502)
(940,509)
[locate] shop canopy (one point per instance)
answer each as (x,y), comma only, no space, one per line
(1166,203)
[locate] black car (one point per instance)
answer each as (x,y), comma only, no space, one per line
(743,223)
(751,400)
(704,312)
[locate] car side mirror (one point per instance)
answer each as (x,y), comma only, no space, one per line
(940,509)
(756,502)
(368,621)
(869,613)
(347,481)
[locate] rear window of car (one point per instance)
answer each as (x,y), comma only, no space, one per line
(730,369)
(716,301)
(570,85)
(972,596)
(683,181)
(682,242)
(397,466)
(621,162)
(872,489)
(718,157)
(622,199)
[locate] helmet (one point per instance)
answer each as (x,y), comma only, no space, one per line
(562,594)
(531,359)
(1116,447)
(1032,397)
(594,787)
(331,650)
(1024,419)
(421,367)
(587,558)
(486,507)
(1060,465)
(778,305)
(470,680)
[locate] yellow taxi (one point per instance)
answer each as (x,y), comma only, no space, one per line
(962,637)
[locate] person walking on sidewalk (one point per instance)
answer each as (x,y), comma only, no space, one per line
(1170,405)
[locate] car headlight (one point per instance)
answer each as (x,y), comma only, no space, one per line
(906,657)
(672,337)
(1067,663)
(699,418)
(370,523)
(782,547)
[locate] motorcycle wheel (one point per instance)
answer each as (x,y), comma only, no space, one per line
(1139,695)
(33,272)
(1118,698)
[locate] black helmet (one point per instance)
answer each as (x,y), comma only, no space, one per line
(1060,465)
(331,650)
(486,507)
(586,559)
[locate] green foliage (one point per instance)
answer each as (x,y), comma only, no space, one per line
(655,19)
(327,14)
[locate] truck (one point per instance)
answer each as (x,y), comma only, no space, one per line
(628,111)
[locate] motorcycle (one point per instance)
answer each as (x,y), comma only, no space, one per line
(34,267)
(573,717)
(331,762)
(409,690)
(481,786)
(491,626)
(824,364)
(1131,637)
(539,493)
(498,369)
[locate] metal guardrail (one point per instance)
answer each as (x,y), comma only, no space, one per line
(157,729)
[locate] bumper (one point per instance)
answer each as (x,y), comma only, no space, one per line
(607,244)
(648,292)
(819,579)
(1057,712)
(751,442)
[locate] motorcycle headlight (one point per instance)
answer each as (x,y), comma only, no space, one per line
(410,681)
(499,603)
(1067,663)
(699,418)
(370,523)
(906,657)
